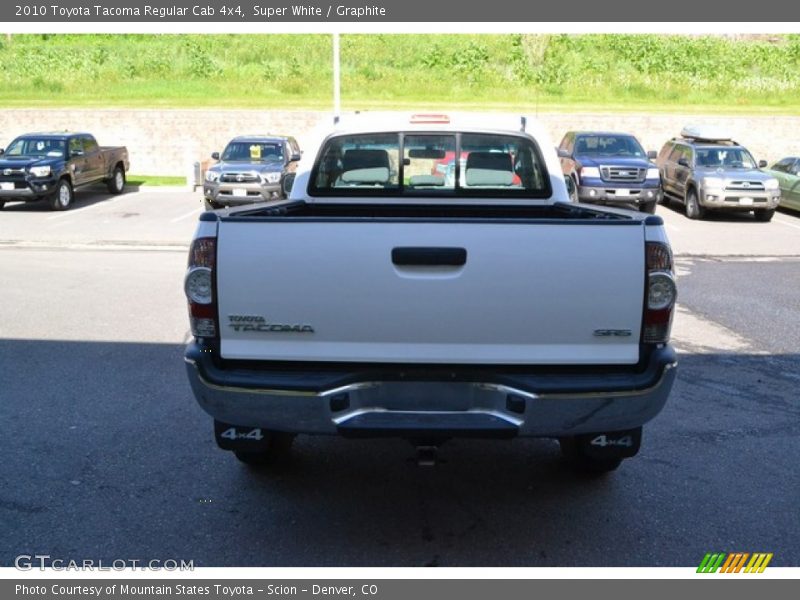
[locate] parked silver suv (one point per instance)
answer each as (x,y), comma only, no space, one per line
(707,170)
(252,168)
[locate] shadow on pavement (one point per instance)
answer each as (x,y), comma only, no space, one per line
(106,456)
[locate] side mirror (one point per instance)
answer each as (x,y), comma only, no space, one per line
(288,183)
(76,153)
(683,162)
(562,153)
(295,157)
(762,164)
(215,155)
(652,154)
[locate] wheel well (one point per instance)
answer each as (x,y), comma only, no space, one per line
(67,177)
(691,187)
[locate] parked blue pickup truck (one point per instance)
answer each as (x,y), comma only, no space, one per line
(51,166)
(610,168)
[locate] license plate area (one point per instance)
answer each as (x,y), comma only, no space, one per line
(745,202)
(7,186)
(239,192)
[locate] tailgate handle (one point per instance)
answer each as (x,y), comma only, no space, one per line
(429,257)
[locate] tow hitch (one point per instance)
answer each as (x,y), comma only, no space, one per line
(427,455)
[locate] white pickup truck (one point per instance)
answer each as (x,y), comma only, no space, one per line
(428,278)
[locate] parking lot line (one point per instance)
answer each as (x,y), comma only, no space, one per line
(787,223)
(186,216)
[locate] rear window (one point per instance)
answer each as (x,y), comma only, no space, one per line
(426,164)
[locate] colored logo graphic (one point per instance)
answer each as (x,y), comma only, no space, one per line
(734,562)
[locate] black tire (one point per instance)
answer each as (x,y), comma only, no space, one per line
(278,450)
(764,214)
(2,204)
(587,465)
(116,184)
(648,207)
(693,208)
(211,205)
(62,198)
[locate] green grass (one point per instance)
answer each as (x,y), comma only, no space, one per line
(138,180)
(497,72)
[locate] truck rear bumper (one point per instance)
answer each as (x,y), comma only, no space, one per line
(403,401)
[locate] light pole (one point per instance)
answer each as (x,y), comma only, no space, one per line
(336,78)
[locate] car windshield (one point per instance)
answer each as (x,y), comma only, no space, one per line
(36,147)
(413,164)
(725,158)
(608,145)
(253,152)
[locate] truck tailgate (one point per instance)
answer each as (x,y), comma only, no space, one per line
(394,291)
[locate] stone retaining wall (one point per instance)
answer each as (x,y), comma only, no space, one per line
(169,141)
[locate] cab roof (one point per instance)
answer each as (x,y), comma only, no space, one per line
(260,138)
(59,135)
(388,122)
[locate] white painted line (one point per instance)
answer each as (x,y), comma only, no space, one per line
(186,216)
(671,227)
(787,223)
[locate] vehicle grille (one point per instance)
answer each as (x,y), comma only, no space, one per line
(746,186)
(12,174)
(239,178)
(623,174)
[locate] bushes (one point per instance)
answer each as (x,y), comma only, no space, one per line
(295,70)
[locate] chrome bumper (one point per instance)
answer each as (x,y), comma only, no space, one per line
(446,408)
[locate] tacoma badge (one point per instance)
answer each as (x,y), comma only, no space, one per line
(256,323)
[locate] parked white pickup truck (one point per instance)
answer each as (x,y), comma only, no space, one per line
(428,278)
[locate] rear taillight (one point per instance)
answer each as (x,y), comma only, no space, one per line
(661,294)
(200,288)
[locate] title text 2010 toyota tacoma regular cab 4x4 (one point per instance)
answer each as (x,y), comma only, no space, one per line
(383,298)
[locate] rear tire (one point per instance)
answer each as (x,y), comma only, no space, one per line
(117,182)
(278,450)
(63,196)
(587,465)
(693,208)
(764,214)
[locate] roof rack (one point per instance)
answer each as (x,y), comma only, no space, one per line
(706,133)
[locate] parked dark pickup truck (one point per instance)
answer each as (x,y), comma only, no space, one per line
(610,168)
(51,166)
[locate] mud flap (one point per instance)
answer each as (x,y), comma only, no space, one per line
(612,444)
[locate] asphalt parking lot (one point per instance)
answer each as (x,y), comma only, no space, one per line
(107,456)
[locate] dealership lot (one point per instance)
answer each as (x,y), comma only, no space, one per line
(111,458)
